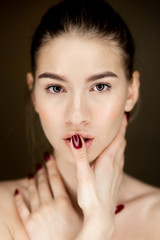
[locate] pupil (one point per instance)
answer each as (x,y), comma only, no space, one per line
(56,88)
(100,87)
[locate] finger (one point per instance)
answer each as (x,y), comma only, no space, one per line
(55,180)
(43,185)
(114,146)
(108,165)
(33,193)
(120,154)
(80,156)
(107,159)
(119,164)
(121,134)
(22,209)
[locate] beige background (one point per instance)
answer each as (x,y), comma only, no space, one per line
(18,20)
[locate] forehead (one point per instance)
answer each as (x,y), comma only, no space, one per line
(74,54)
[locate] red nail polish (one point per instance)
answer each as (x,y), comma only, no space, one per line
(30,175)
(16,192)
(77,143)
(46,156)
(38,166)
(119,208)
(127,116)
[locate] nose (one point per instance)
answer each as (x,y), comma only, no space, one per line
(77,111)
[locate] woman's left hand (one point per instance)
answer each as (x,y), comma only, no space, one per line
(50,214)
(98,186)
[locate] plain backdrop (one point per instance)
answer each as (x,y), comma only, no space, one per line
(18,20)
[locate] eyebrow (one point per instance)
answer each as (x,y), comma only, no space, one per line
(102,75)
(92,78)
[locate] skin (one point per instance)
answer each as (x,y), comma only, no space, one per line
(92,192)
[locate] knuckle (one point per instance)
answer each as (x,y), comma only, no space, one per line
(53,177)
(33,194)
(51,165)
(45,207)
(35,217)
(81,157)
(41,173)
(42,182)
(32,187)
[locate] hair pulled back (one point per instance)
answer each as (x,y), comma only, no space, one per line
(86,17)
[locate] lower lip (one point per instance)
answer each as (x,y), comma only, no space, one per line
(87,143)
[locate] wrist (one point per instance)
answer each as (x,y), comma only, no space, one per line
(96,229)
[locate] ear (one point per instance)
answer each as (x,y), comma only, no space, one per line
(133,92)
(30,83)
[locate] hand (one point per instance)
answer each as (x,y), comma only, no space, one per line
(50,214)
(98,186)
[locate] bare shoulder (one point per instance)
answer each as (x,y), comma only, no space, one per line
(152,202)
(147,193)
(151,212)
(146,208)
(10,224)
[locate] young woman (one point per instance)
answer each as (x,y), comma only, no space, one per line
(83,87)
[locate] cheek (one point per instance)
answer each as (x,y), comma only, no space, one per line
(112,111)
(110,119)
(49,117)
(51,125)
(45,107)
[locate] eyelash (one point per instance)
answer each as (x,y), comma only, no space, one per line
(52,86)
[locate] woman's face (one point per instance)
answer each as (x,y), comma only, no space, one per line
(80,87)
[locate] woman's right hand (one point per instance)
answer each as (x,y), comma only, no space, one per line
(50,214)
(98,186)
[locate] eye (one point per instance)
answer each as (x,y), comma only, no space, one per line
(54,89)
(102,87)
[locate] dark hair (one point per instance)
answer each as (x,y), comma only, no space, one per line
(86,17)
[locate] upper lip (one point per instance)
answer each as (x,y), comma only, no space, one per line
(82,134)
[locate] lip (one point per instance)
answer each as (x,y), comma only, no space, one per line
(82,134)
(88,143)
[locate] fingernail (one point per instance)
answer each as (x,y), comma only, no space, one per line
(38,166)
(127,116)
(119,208)
(30,175)
(77,143)
(16,192)
(46,156)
